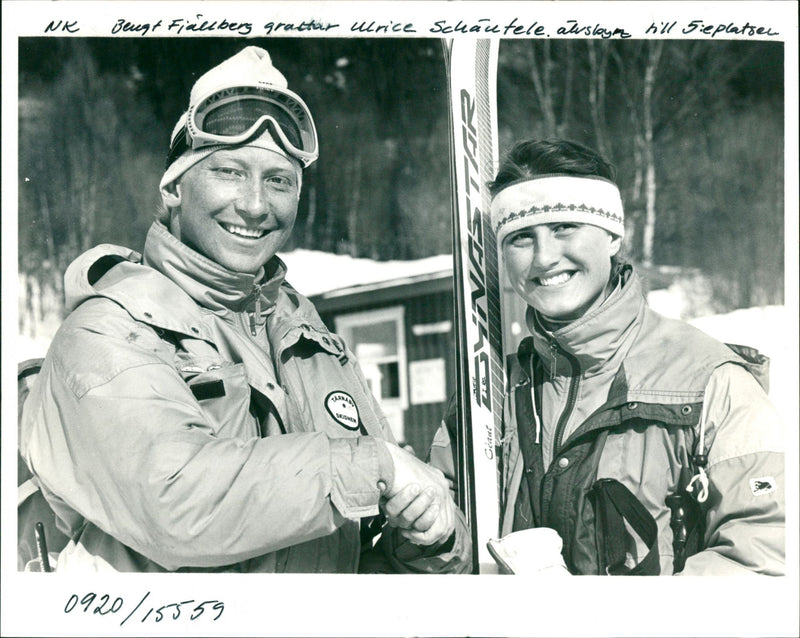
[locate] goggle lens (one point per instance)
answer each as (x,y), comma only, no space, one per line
(239,116)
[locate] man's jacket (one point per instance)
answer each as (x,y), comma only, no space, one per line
(609,416)
(191,418)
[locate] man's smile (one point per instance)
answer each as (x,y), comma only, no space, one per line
(242,231)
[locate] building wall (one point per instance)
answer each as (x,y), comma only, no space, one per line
(422,420)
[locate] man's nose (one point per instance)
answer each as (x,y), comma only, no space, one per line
(252,201)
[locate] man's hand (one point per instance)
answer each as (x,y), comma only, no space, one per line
(419,501)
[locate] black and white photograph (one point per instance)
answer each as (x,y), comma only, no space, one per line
(330,315)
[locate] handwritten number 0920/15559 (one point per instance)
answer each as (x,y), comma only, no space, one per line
(103,605)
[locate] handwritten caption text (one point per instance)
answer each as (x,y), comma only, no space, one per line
(103,605)
(508,28)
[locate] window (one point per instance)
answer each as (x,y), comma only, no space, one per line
(377,338)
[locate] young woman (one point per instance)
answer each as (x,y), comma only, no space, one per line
(650,447)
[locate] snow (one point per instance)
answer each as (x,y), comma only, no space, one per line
(31,347)
(762,328)
(667,303)
(313,272)
(772,331)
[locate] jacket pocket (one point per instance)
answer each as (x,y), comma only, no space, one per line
(223,394)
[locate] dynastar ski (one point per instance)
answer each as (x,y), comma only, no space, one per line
(472,70)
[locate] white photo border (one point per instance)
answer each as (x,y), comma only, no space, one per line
(331,605)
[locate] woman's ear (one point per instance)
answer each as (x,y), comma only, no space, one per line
(615,243)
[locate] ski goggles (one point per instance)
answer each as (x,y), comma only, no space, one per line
(237,114)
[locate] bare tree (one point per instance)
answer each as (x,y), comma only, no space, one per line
(541,72)
(650,74)
(598,54)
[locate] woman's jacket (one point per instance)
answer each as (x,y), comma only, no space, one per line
(609,419)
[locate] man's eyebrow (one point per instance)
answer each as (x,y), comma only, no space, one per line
(223,155)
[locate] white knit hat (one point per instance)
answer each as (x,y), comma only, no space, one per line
(252,66)
(551,199)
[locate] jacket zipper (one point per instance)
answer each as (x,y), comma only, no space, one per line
(572,395)
(255,315)
(537,421)
(561,425)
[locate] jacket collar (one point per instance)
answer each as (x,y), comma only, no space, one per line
(209,284)
(605,333)
(165,287)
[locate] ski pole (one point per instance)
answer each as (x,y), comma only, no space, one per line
(41,547)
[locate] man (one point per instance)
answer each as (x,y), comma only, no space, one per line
(193,412)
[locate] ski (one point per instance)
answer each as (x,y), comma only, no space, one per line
(472,71)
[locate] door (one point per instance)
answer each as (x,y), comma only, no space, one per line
(377,338)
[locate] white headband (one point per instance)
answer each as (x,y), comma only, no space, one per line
(550,199)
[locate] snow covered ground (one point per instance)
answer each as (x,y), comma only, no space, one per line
(31,347)
(312,272)
(774,332)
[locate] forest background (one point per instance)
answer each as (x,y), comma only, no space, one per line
(695,129)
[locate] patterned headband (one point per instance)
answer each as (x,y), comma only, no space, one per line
(550,199)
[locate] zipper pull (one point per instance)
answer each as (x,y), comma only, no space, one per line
(553,359)
(255,316)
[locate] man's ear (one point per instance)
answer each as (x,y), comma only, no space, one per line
(171,195)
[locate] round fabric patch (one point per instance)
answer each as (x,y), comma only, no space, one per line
(343,409)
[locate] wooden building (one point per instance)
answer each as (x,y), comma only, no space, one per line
(397,317)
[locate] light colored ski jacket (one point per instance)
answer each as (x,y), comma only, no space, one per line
(190,418)
(620,394)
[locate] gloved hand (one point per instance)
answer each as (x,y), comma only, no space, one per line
(529,551)
(419,501)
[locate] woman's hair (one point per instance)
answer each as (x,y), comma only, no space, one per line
(546,157)
(543,157)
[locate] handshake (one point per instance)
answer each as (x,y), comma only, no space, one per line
(418,502)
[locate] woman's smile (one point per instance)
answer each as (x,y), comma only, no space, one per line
(560,269)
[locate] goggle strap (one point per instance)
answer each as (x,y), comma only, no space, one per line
(180,144)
